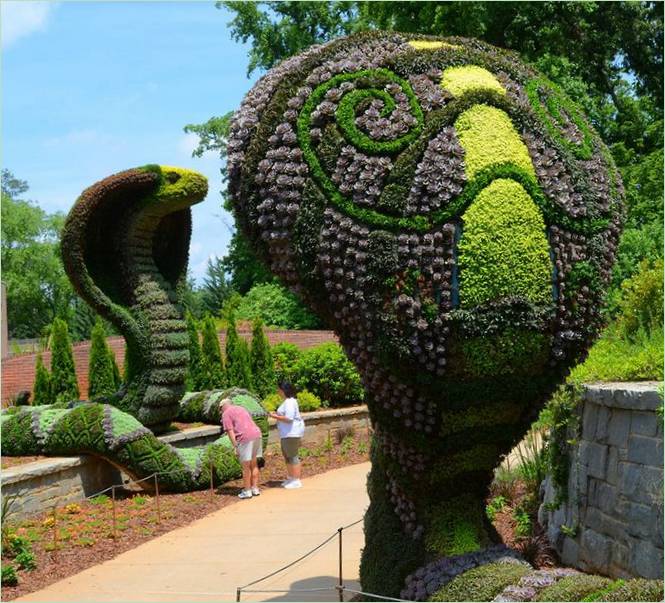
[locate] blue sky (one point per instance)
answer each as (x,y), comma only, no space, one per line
(93,88)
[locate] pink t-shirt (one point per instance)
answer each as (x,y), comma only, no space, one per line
(238,419)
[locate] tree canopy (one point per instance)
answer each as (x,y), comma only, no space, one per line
(608,56)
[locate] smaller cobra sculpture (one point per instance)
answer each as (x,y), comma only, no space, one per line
(125,246)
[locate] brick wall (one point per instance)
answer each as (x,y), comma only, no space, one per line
(18,372)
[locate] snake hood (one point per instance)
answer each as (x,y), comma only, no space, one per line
(125,248)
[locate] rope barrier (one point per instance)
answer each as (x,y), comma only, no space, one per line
(281,569)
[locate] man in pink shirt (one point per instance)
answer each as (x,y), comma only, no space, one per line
(246,439)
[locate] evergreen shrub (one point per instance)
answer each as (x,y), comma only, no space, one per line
(213,371)
(64,387)
(101,378)
(42,387)
(262,365)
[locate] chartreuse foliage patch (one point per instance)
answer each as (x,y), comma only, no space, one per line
(456,527)
(482,583)
(468,78)
(503,251)
(489,138)
(513,352)
(430,44)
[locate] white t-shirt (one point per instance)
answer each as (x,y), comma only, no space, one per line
(294,428)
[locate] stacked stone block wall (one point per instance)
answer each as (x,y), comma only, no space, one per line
(612,521)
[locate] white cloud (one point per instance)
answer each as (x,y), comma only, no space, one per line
(21,18)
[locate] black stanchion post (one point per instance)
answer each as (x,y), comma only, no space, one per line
(341,586)
(115,531)
(55,530)
(237,594)
(212,485)
(159,511)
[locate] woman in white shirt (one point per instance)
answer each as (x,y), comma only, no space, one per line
(291,428)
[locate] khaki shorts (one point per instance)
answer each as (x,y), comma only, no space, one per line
(250,450)
(290,448)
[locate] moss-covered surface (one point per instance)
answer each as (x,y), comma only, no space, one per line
(635,590)
(574,588)
(481,583)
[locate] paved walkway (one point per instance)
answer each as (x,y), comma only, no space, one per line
(208,559)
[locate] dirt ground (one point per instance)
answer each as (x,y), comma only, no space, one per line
(83,533)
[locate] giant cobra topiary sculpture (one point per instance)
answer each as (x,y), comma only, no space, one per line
(125,246)
(453,216)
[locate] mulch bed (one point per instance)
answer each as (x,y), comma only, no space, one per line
(85,535)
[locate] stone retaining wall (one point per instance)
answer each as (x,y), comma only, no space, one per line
(40,485)
(612,522)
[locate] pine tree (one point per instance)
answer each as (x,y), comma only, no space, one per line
(100,367)
(263,369)
(211,357)
(42,387)
(238,367)
(196,378)
(117,377)
(64,387)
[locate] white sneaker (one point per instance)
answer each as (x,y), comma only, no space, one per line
(245,494)
(286,481)
(294,483)
(256,492)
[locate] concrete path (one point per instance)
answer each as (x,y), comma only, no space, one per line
(208,559)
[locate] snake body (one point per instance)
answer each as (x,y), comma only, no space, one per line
(125,246)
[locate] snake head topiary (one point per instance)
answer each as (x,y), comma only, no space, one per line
(454,217)
(125,247)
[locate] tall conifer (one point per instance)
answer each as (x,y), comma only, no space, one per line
(42,387)
(64,387)
(101,380)
(263,369)
(214,373)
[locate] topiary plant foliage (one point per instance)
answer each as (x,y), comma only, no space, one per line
(454,217)
(125,248)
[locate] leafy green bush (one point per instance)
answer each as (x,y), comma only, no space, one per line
(9,577)
(271,403)
(277,307)
(307,401)
(64,387)
(26,560)
(641,304)
(616,358)
(263,368)
(326,371)
(494,506)
(285,358)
